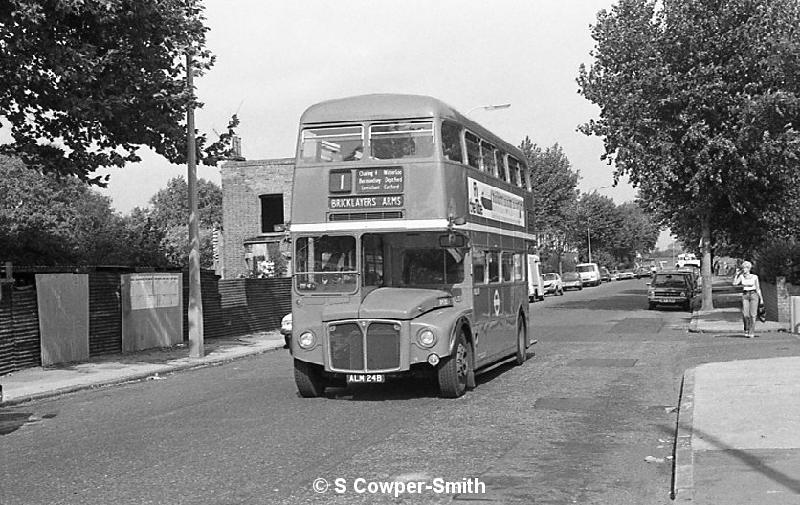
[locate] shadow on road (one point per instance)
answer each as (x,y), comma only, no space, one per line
(412,388)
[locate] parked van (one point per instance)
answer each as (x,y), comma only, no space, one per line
(589,272)
(535,282)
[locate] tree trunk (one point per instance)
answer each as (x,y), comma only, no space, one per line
(705,264)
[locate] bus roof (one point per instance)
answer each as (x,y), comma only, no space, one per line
(377,106)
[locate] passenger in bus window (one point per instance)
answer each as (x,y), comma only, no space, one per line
(356,155)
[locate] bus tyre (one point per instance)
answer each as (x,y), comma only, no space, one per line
(522,342)
(309,379)
(455,371)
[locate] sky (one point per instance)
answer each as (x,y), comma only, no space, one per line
(276,58)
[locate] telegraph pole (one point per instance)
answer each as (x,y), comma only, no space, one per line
(195,315)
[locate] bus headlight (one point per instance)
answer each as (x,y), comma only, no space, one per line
(426,338)
(307,340)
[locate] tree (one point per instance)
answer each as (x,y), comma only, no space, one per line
(637,233)
(85,83)
(595,224)
(168,216)
(554,184)
(55,220)
(700,108)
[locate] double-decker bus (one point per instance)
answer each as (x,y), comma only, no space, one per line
(410,231)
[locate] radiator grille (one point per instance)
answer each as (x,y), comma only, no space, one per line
(364,346)
(347,347)
(383,346)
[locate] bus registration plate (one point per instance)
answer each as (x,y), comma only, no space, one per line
(364,378)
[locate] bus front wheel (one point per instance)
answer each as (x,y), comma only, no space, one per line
(309,379)
(454,372)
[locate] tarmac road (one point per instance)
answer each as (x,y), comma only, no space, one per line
(575,424)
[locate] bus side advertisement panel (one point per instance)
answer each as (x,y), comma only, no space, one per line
(495,203)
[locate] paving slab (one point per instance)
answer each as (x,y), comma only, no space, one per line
(738,440)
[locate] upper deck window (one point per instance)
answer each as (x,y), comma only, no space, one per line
(451,142)
(488,158)
(332,143)
(392,141)
(473,150)
(514,172)
(501,165)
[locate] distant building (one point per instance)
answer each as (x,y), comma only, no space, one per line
(256,203)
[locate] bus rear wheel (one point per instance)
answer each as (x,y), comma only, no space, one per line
(309,380)
(522,342)
(454,372)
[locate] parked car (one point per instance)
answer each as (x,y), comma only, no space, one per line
(642,272)
(615,275)
(671,287)
(552,284)
(286,330)
(605,275)
(696,277)
(626,274)
(589,272)
(571,280)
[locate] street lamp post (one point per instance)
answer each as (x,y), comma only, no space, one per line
(488,107)
(588,235)
(589,241)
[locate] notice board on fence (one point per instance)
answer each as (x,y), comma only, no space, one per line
(152,310)
(63,306)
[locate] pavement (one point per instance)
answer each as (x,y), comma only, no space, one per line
(44,382)
(738,430)
(738,436)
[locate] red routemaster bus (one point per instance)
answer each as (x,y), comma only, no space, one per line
(410,231)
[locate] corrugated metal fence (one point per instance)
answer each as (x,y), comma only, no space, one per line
(105,323)
(19,329)
(252,305)
(230,308)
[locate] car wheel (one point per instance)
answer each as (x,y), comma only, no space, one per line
(561,292)
(651,306)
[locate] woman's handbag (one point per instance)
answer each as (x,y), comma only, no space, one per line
(762,312)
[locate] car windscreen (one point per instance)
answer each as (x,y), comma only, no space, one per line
(669,281)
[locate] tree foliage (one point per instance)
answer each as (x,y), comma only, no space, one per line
(49,219)
(56,220)
(554,182)
(169,216)
(86,83)
(596,223)
(700,108)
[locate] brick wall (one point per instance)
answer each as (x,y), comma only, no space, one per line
(785,291)
(242,184)
(777,299)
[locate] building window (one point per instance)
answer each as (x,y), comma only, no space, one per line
(271,212)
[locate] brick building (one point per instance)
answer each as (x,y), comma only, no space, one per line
(256,203)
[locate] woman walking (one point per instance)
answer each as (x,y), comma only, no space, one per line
(751,296)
